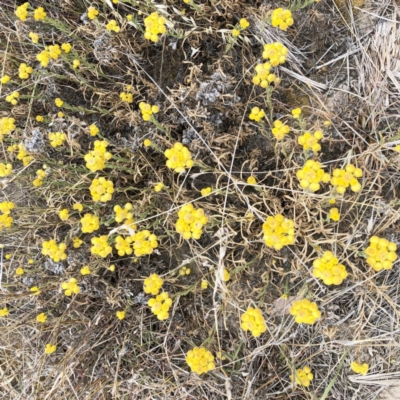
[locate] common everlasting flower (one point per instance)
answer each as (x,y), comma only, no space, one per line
(334,214)
(41,318)
(344,178)
(101,189)
(155,25)
(280,130)
(96,158)
(190,222)
(147,110)
(305,312)
(263,76)
(281,18)
(160,306)
(113,26)
(5,169)
(54,251)
(200,360)
(296,113)
(70,287)
(178,158)
(92,13)
(90,223)
(50,349)
(93,130)
(381,253)
(152,284)
(359,368)
(100,246)
(39,14)
(311,176)
(252,320)
(302,376)
(310,141)
(144,243)
(63,214)
(57,138)
(85,270)
(276,53)
(34,37)
(4,312)
(120,315)
(329,270)
(22,11)
(278,231)
(256,114)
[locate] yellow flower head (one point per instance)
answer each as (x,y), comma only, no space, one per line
(4,312)
(6,207)
(152,284)
(113,26)
(144,243)
(92,13)
(41,318)
(263,76)
(251,180)
(57,138)
(276,53)
(256,114)
(77,242)
(244,23)
(190,222)
(281,18)
(63,214)
(305,312)
(54,251)
(34,37)
(126,97)
(160,306)
(147,143)
(178,158)
(334,214)
(280,130)
(381,254)
(359,368)
(278,231)
(296,113)
(77,206)
(303,376)
(147,110)
(206,191)
(235,32)
(184,271)
(101,189)
(13,98)
(100,246)
(22,11)
(58,102)
(252,320)
(200,360)
(90,223)
(76,64)
(311,176)
(155,25)
(5,79)
(34,290)
(5,221)
(204,284)
(39,14)
(344,178)
(120,315)
(70,287)
(158,187)
(123,214)
(19,271)
(329,270)
(96,158)
(93,130)
(66,47)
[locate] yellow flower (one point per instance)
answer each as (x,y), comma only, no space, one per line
(329,270)
(57,139)
(256,114)
(129,17)
(49,349)
(90,223)
(19,271)
(8,256)
(120,315)
(100,246)
(60,114)
(5,170)
(147,142)
(70,287)
(155,25)
(77,242)
(311,175)
(78,207)
(44,58)
(160,306)
(92,13)
(251,180)
(190,222)
(101,189)
(397,148)
(296,113)
(278,231)
(126,97)
(327,123)
(6,207)
(111,268)
(310,141)
(152,284)
(334,214)
(344,178)
(276,53)
(359,368)
(206,191)
(58,102)
(332,201)
(235,32)
(7,125)
(31,261)
(34,37)
(144,243)
(280,130)
(381,253)
(54,251)
(184,271)
(96,159)
(13,98)
(66,47)
(39,14)
(158,187)
(22,11)
(85,270)
(303,376)
(35,290)
(5,79)
(252,320)
(93,130)
(178,158)
(76,64)
(41,318)
(123,214)
(63,214)
(204,284)
(244,23)
(4,312)
(305,312)
(147,110)
(113,26)
(200,360)
(226,275)
(39,118)
(281,18)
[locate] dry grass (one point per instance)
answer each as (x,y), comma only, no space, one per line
(342,67)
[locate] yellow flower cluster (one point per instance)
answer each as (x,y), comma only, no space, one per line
(85,270)
(144,243)
(381,253)
(41,318)
(22,11)
(359,368)
(122,214)
(76,64)
(252,320)
(305,312)
(155,25)
(39,14)
(6,207)
(243,24)
(57,138)
(334,214)
(296,113)
(256,114)
(96,159)
(24,71)
(100,246)
(310,141)
(5,221)
(7,125)
(93,130)
(113,26)
(160,306)
(281,18)
(35,290)
(90,223)
(66,47)
(120,315)
(206,191)
(311,175)
(276,53)
(58,102)
(263,76)
(40,175)
(280,130)
(63,214)
(158,187)
(329,270)
(50,348)
(54,251)
(190,222)
(22,153)
(92,13)
(101,189)
(303,376)
(147,110)
(343,178)
(123,245)
(34,37)
(78,207)
(152,284)
(4,312)
(278,231)
(76,242)
(50,52)
(179,158)
(200,360)
(12,98)
(70,287)
(5,79)
(126,97)
(184,271)
(5,169)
